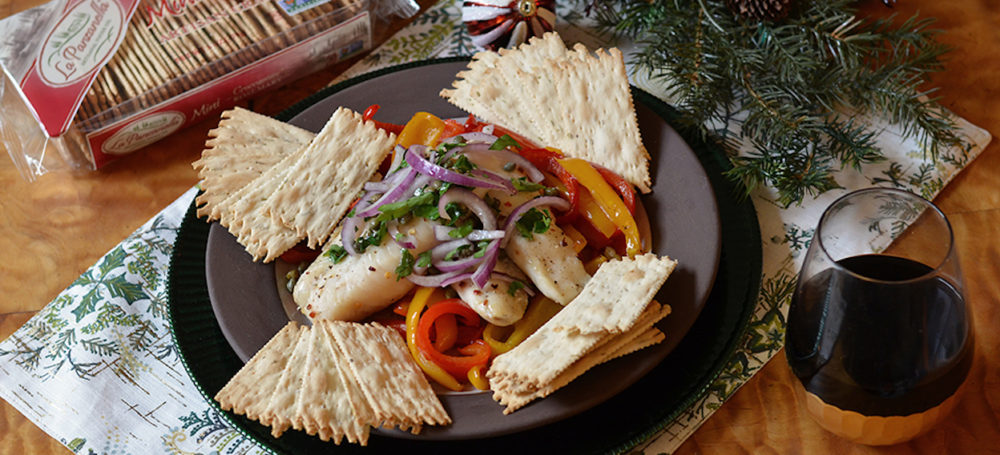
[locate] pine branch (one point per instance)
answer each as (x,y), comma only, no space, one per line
(791,82)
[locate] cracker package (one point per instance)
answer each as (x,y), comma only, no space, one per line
(86,81)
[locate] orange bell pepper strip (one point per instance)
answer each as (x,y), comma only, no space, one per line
(420,300)
(423,128)
(608,200)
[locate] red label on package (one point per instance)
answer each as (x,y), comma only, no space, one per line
(133,133)
(83,40)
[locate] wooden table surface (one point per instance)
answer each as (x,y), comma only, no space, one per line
(54,229)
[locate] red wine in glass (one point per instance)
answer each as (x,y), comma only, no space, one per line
(880,344)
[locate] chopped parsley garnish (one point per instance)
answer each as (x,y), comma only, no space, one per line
(336,253)
(444,147)
(372,237)
(514,287)
(522,184)
(424,259)
(533,221)
(504,142)
(457,252)
(461,231)
(404,207)
(454,211)
(481,251)
(460,163)
(405,267)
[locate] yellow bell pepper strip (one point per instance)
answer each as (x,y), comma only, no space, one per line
(579,242)
(423,128)
(473,354)
(608,200)
(477,377)
(541,310)
(594,214)
(420,300)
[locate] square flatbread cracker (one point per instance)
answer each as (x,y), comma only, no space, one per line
(472,97)
(248,391)
(382,365)
(514,394)
(326,402)
(588,113)
(280,411)
(241,148)
(247,217)
(620,290)
(326,177)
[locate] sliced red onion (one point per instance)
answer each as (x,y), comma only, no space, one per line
(470,201)
(483,234)
(423,166)
(348,232)
(405,241)
(458,265)
(440,251)
(478,137)
(443,233)
(495,178)
(439,280)
(556,202)
(397,157)
(482,273)
(534,175)
(399,185)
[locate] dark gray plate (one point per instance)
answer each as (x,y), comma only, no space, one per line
(683,214)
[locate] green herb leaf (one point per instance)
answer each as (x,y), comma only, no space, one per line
(336,253)
(514,287)
(424,259)
(533,221)
(504,142)
(461,231)
(522,184)
(405,267)
(457,252)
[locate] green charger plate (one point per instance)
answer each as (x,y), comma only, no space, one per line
(616,425)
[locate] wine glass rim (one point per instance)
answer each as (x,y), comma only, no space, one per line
(928,204)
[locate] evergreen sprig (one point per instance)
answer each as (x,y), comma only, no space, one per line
(795,88)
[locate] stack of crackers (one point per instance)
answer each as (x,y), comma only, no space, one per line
(570,99)
(335,380)
(273,185)
(613,316)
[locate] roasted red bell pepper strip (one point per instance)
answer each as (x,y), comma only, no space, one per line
(299,253)
(476,353)
(390,127)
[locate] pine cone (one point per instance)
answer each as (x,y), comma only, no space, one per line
(760,10)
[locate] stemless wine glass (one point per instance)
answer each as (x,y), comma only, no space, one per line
(878,335)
